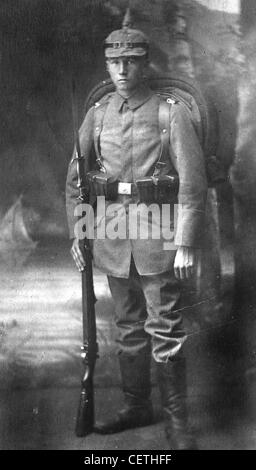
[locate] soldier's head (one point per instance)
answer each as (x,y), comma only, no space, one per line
(126,52)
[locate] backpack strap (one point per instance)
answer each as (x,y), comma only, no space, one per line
(164,129)
(99,113)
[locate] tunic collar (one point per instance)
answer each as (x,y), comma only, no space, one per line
(140,96)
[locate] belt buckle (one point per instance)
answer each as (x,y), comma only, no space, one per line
(125,188)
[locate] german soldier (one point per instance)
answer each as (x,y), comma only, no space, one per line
(144,278)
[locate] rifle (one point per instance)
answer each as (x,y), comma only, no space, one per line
(85,414)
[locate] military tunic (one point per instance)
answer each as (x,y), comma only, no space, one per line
(130,147)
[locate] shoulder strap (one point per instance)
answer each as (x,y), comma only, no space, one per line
(99,113)
(164,129)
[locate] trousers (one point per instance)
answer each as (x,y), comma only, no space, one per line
(148,314)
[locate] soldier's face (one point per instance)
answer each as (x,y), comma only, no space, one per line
(126,72)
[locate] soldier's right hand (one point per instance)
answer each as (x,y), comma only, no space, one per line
(77,255)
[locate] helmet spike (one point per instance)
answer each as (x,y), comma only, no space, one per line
(127,21)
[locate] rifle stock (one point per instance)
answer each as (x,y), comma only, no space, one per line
(85,414)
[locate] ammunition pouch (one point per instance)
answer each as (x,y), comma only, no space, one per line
(101,184)
(149,189)
(158,189)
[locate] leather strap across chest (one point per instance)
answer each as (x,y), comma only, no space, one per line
(164,129)
(99,113)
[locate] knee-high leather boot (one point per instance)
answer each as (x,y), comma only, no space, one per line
(173,388)
(137,412)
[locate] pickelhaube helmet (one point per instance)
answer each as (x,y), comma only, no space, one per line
(126,41)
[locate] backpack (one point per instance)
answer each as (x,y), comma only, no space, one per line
(172,90)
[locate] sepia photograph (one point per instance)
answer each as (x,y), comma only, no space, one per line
(128,227)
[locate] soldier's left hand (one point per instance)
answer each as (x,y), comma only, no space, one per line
(185,263)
